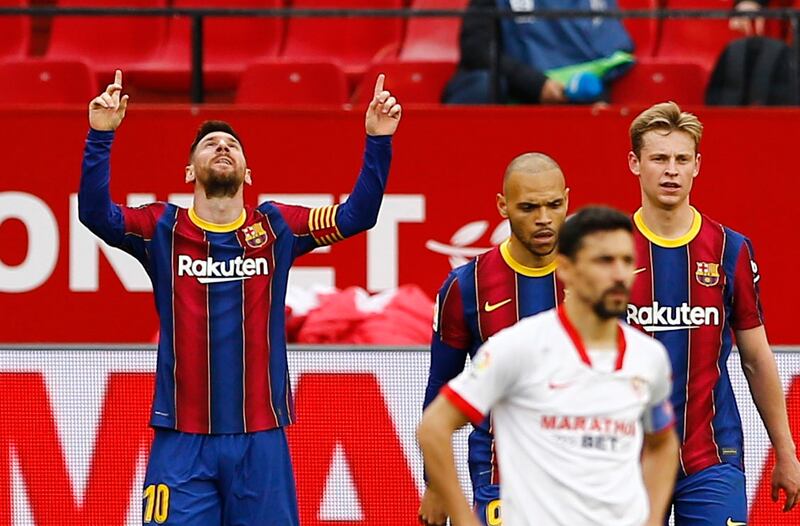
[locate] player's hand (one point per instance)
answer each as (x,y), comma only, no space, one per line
(107,110)
(383,112)
(786,477)
(748,26)
(431,510)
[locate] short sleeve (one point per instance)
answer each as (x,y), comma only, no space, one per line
(659,414)
(493,376)
(747,311)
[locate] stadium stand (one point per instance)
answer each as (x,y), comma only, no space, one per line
(352,43)
(295,83)
(645,32)
(106,43)
(419,82)
(15,32)
(28,81)
(646,82)
(230,44)
(432,39)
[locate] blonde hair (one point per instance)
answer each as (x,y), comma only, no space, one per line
(666,117)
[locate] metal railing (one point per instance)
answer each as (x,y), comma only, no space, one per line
(198,16)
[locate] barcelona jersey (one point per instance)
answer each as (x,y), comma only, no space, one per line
(220,291)
(478,299)
(691,294)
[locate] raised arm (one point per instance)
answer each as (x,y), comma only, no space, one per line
(95,208)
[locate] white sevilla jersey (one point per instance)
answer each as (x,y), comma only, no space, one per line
(569,435)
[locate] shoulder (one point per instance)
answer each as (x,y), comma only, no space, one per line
(642,346)
(533,331)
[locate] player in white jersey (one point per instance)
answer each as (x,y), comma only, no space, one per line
(579,401)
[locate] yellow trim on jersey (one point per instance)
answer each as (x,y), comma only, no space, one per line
(516,266)
(697,222)
(323,218)
(215,227)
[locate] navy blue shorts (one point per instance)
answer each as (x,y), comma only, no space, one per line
(487,505)
(212,480)
(712,497)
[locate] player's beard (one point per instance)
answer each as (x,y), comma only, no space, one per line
(219,183)
(607,309)
(527,241)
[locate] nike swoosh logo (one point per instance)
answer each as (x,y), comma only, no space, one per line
(639,270)
(732,522)
(490,308)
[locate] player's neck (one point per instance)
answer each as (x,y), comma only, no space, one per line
(218,210)
(669,223)
(596,332)
(525,257)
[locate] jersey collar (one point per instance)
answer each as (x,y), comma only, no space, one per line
(215,227)
(519,268)
(577,341)
(697,222)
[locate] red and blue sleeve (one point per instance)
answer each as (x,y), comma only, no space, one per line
(315,227)
(747,310)
(451,340)
(119,226)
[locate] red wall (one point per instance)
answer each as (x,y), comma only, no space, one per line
(453,157)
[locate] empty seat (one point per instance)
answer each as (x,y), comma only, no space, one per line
(107,42)
(288,84)
(644,31)
(432,38)
(412,82)
(649,83)
(229,45)
(15,32)
(353,43)
(45,81)
(697,40)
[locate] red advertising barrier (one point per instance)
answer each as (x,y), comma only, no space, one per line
(59,284)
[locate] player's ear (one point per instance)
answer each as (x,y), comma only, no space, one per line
(633,164)
(502,206)
(189,174)
(566,199)
(696,166)
(247,178)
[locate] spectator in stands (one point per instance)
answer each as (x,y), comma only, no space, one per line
(540,60)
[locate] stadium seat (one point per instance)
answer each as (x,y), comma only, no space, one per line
(107,42)
(230,44)
(45,81)
(643,31)
(15,32)
(696,40)
(353,43)
(649,83)
(414,82)
(292,84)
(432,39)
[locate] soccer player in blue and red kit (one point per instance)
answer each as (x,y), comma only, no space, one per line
(697,290)
(492,292)
(219,272)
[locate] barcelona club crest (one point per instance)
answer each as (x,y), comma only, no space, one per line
(255,235)
(707,273)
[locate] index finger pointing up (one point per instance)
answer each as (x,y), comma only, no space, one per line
(118,77)
(379,84)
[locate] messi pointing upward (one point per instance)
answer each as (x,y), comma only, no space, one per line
(219,272)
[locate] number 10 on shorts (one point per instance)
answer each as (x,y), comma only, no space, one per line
(156,505)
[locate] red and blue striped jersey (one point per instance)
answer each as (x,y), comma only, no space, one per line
(691,294)
(478,299)
(220,291)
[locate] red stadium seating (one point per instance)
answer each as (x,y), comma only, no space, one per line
(414,82)
(697,40)
(648,83)
(44,81)
(15,32)
(643,31)
(230,44)
(106,42)
(432,39)
(352,43)
(293,84)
